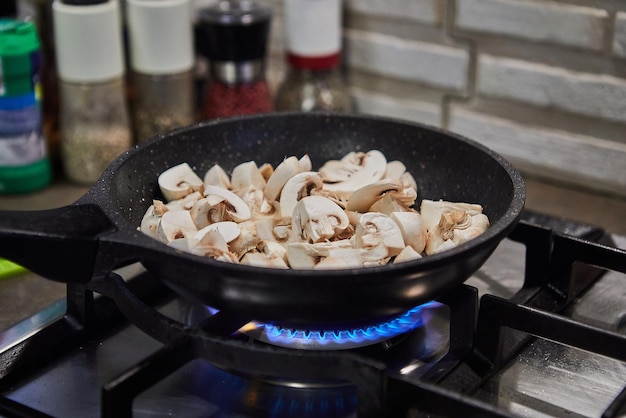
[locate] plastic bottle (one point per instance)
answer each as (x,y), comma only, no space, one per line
(93,116)
(24,165)
(162,60)
(233,36)
(313,42)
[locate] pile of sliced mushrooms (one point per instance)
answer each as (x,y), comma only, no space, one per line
(354,212)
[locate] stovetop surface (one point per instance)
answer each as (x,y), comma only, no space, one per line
(545,379)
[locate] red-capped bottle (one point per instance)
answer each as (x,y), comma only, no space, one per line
(313,41)
(233,36)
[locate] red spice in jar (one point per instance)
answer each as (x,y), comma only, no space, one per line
(224,100)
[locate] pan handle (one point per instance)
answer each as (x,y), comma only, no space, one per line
(58,244)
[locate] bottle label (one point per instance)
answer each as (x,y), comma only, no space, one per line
(21,138)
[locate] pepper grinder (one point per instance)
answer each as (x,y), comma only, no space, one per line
(93,114)
(233,37)
(161,61)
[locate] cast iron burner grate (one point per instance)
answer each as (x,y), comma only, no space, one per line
(557,271)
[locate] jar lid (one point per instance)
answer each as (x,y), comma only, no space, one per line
(233,31)
(25,178)
(160,35)
(88,40)
(313,32)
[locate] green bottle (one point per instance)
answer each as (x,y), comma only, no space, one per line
(24,166)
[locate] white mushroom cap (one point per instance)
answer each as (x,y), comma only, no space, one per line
(284,171)
(355,170)
(377,229)
(217,176)
(246,175)
(228,229)
(317,218)
(179,181)
(364,197)
(413,229)
(235,207)
(175,224)
(297,187)
(407,254)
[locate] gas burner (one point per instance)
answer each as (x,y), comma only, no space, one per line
(343,339)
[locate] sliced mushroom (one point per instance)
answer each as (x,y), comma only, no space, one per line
(395,169)
(364,197)
(150,222)
(317,218)
(228,229)
(247,240)
(214,245)
(375,231)
(284,171)
(179,181)
(299,186)
(432,210)
(175,224)
(355,170)
(246,175)
(257,202)
(262,260)
(217,176)
(234,207)
(413,229)
(457,226)
(184,203)
(304,255)
(407,254)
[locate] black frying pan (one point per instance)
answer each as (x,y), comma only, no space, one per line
(99,232)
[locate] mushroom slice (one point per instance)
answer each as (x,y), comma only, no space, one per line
(366,196)
(317,218)
(394,170)
(355,170)
(376,230)
(284,171)
(247,240)
(246,175)
(300,185)
(432,210)
(184,203)
(150,222)
(262,260)
(214,245)
(234,207)
(228,229)
(407,254)
(179,181)
(413,229)
(304,255)
(175,224)
(256,201)
(217,176)
(305,163)
(457,226)
(266,171)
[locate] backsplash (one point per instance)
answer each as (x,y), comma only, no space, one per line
(541,82)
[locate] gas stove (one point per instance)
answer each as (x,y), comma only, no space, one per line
(539,330)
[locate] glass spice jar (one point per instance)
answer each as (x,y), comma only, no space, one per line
(161,61)
(93,115)
(314,80)
(233,37)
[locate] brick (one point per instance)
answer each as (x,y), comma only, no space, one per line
(537,21)
(423,11)
(381,105)
(576,159)
(437,65)
(619,36)
(594,95)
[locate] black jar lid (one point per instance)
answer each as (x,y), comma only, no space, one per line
(233,30)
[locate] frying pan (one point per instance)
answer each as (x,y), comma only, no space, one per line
(98,233)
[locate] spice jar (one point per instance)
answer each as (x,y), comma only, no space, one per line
(93,115)
(24,164)
(161,61)
(313,42)
(233,37)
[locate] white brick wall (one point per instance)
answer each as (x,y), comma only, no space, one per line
(432,64)
(559,155)
(538,21)
(424,11)
(619,37)
(378,104)
(593,95)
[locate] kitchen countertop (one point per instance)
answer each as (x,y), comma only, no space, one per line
(23,295)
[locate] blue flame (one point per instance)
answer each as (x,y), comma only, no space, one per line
(406,322)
